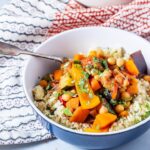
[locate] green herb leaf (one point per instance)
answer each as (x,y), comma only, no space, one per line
(86,75)
(107,105)
(104,64)
(121,102)
(94,71)
(89,66)
(90,95)
(48,87)
(67,112)
(77,62)
(113,102)
(96,60)
(82,84)
(68,92)
(56,94)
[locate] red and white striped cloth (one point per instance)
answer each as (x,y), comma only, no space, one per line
(134,17)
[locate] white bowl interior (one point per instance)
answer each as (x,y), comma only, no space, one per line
(79,40)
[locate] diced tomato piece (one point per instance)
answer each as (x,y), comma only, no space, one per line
(62,101)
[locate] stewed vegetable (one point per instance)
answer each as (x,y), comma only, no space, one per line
(93,90)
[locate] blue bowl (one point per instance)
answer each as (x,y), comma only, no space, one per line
(67,44)
(95,141)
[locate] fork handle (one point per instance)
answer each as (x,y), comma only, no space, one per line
(7,49)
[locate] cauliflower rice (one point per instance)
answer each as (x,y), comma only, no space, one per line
(139,109)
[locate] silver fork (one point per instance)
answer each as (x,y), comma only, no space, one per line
(7,49)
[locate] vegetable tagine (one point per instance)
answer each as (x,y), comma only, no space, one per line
(99,92)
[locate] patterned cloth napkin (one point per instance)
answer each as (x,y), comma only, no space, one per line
(26,24)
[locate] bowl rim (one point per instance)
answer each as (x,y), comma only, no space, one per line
(64,127)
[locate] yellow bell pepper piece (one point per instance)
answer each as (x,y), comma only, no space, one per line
(86,95)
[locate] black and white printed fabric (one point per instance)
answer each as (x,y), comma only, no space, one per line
(23,23)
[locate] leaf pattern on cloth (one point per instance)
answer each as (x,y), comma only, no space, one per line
(23,23)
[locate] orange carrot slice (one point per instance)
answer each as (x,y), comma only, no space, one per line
(131,67)
(95,85)
(43,83)
(104,120)
(79,115)
(58,74)
(87,98)
(73,103)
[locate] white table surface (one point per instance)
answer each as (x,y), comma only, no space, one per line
(141,143)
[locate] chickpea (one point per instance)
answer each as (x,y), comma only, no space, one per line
(103,110)
(126,96)
(119,108)
(119,79)
(120,62)
(107,73)
(100,52)
(123,113)
(106,83)
(146,78)
(111,60)
(66,97)
(107,53)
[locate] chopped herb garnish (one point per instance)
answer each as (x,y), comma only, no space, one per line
(94,71)
(48,87)
(89,66)
(107,94)
(106,104)
(100,96)
(95,66)
(67,112)
(78,65)
(147,114)
(82,84)
(109,108)
(104,64)
(99,73)
(90,95)
(96,60)
(121,102)
(77,62)
(56,94)
(68,92)
(113,102)
(86,75)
